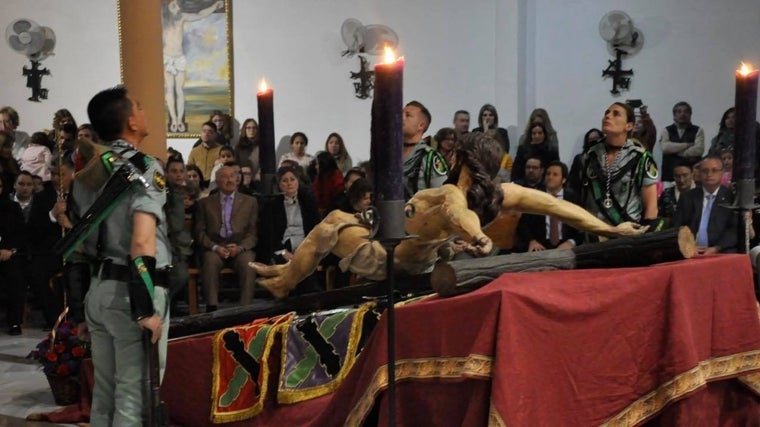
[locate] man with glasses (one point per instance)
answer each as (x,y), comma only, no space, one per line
(704,211)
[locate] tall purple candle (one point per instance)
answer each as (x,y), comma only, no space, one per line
(265,99)
(744,135)
(387,146)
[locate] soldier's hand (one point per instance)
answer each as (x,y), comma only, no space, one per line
(83,332)
(5,254)
(153,324)
(59,208)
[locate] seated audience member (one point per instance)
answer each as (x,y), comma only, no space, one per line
(537,147)
(9,122)
(194,176)
(542,232)
(61,118)
(684,181)
(226,155)
(207,152)
(488,123)
(591,137)
(86,131)
(37,157)
(298,143)
(446,139)
(644,129)
(223,124)
(247,148)
(247,184)
(225,229)
(286,219)
(337,148)
(171,153)
(358,197)
(539,115)
(703,211)
(534,174)
(725,137)
(175,172)
(38,184)
(9,168)
(341,199)
(366,168)
(681,140)
(727,157)
(461,122)
(180,238)
(328,181)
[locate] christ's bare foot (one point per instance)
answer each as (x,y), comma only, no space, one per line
(271,278)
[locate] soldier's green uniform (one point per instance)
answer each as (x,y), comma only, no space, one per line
(425,168)
(634,169)
(117,346)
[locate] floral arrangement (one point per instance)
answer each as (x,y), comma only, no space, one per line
(61,353)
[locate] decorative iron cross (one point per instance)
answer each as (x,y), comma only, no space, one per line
(34,81)
(366,79)
(614,70)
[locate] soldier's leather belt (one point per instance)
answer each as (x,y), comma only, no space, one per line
(107,270)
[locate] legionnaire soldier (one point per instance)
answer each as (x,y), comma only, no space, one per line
(128,291)
(423,166)
(619,176)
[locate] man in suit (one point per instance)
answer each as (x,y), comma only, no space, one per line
(541,232)
(225,228)
(534,174)
(717,232)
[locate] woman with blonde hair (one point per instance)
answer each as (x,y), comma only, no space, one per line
(539,115)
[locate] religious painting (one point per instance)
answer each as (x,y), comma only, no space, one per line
(197,47)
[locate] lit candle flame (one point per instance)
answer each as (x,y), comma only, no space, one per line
(745,69)
(390,55)
(263,85)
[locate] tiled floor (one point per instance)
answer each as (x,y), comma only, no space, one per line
(23,387)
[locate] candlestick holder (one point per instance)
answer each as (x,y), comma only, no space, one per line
(387,227)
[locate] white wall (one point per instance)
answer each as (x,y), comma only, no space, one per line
(86,58)
(691,51)
(518,54)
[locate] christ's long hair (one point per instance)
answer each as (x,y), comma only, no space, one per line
(482,155)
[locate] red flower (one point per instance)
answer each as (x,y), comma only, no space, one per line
(59,348)
(52,357)
(77,351)
(62,370)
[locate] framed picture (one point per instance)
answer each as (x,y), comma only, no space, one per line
(197,46)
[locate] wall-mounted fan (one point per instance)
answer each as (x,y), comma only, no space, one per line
(369,39)
(617,29)
(36,43)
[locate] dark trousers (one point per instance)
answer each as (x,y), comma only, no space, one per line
(14,287)
(39,270)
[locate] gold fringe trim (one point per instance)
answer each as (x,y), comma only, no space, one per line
(699,376)
(494,417)
(474,365)
(217,418)
(293,396)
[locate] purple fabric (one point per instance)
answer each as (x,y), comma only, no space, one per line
(226,230)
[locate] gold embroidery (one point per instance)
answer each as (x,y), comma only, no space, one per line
(699,376)
(473,366)
(293,396)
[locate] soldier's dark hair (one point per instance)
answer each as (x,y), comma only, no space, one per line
(109,112)
(424,111)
